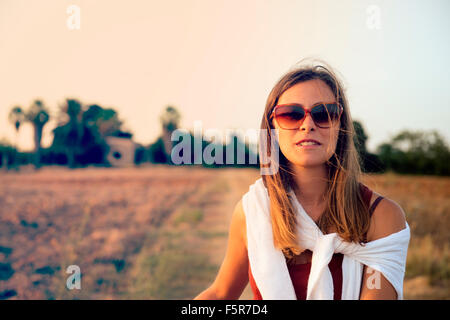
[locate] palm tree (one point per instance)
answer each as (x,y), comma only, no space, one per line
(170,119)
(73,109)
(38,116)
(16,117)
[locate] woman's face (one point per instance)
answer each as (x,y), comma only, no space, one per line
(307,94)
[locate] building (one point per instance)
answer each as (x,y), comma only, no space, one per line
(121,151)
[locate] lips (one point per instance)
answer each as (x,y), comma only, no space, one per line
(308,140)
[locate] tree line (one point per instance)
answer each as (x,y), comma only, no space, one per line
(79,140)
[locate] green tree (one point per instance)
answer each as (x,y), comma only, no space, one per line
(157,152)
(16,117)
(71,132)
(369,162)
(81,132)
(360,138)
(170,119)
(6,153)
(416,152)
(105,120)
(38,115)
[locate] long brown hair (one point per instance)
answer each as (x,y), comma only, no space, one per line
(346,211)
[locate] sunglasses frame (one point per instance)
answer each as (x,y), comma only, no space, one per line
(272,114)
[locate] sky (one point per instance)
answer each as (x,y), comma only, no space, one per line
(216,61)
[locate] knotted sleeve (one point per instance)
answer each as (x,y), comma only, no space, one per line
(268,265)
(386,255)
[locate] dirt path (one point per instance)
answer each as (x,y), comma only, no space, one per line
(217,218)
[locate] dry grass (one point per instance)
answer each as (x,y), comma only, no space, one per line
(101,220)
(161,232)
(426,202)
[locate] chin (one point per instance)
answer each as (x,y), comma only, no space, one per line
(307,162)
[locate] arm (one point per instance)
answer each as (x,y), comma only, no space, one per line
(233,274)
(387,218)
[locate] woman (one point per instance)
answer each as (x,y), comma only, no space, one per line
(313,211)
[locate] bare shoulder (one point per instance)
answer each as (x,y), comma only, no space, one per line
(387,218)
(238,221)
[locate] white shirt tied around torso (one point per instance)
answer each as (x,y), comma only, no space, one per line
(268,264)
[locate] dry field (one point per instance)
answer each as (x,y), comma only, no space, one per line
(161,232)
(426,202)
(142,233)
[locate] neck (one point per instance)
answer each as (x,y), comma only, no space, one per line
(311,184)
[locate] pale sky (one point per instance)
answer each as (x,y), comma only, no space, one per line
(216,61)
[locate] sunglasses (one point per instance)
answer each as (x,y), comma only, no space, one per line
(290,116)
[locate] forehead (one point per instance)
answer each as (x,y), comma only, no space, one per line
(307,93)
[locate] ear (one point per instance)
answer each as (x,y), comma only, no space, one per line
(273,123)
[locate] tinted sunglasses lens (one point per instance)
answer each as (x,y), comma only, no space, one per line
(333,111)
(323,114)
(288,117)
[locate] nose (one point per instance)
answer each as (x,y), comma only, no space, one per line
(308,123)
